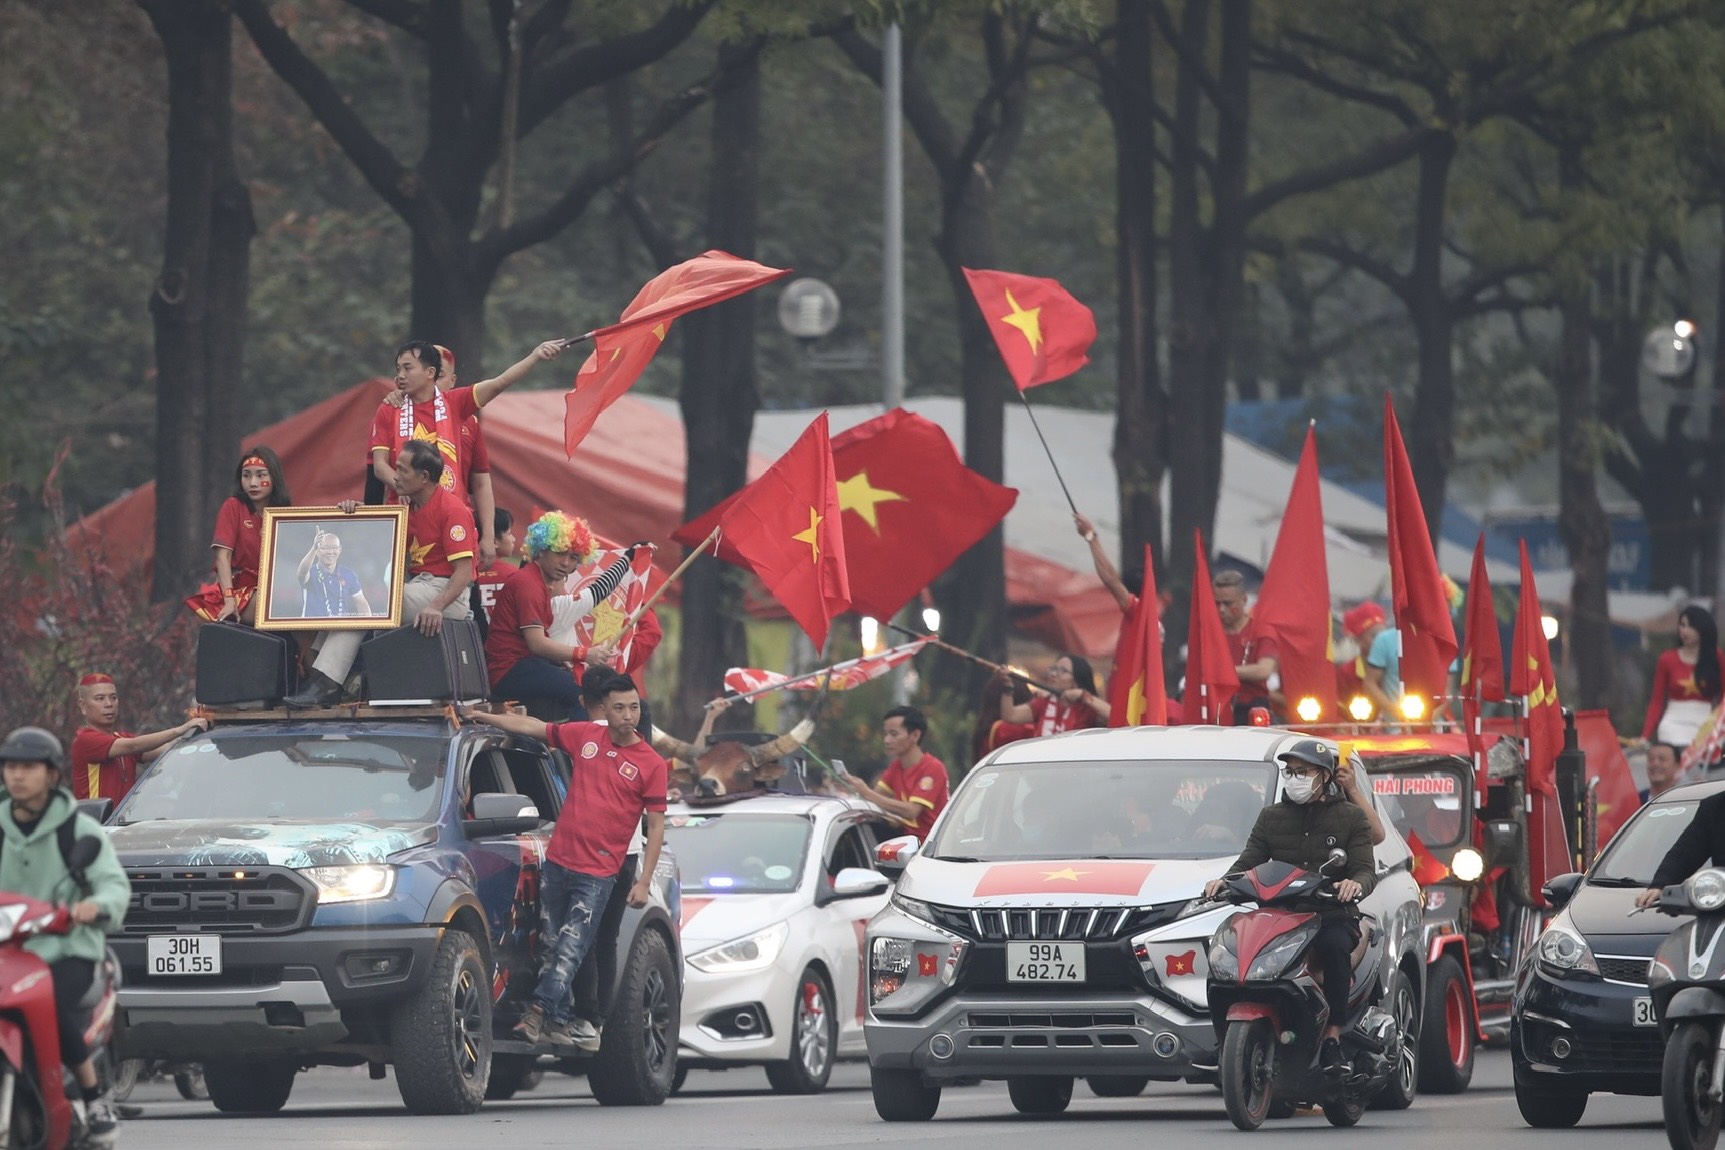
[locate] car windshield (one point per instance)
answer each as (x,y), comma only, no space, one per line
(314,777)
(729,852)
(1427,803)
(1635,853)
(1123,809)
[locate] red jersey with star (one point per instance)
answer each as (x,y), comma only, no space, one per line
(438,534)
(446,434)
(1673,682)
(925,785)
(609,788)
(96,772)
(241,531)
(523,601)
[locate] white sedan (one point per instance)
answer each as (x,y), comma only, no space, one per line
(777,891)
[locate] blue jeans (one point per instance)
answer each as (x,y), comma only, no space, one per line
(543,685)
(570,906)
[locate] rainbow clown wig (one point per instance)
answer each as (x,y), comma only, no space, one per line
(555,531)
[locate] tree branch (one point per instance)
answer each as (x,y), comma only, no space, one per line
(404,14)
(1384,154)
(1289,64)
(550,86)
(1188,55)
(658,242)
(1360,262)
(921,110)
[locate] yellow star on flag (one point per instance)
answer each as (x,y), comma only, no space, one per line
(659,329)
(1026,320)
(607,623)
(1066,873)
(859,495)
(811,536)
(417,551)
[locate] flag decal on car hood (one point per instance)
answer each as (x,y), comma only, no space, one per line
(1080,877)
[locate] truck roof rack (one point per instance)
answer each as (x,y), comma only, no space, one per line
(339,712)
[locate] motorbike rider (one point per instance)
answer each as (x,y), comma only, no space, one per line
(31,764)
(1312,820)
(1701,840)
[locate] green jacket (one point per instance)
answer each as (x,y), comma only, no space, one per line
(1304,834)
(32,866)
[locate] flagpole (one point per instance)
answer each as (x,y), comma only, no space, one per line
(937,641)
(635,615)
(571,341)
(1030,411)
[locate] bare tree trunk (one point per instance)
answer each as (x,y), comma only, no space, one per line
(1432,449)
(720,393)
(199,302)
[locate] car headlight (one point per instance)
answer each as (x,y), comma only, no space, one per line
(755,952)
(1224,962)
(1562,952)
(1707,889)
(914,907)
(351,883)
(1467,865)
(906,974)
(1273,961)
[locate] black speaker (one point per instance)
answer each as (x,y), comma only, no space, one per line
(403,666)
(239,666)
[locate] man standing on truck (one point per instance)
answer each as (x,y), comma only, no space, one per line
(616,778)
(106,760)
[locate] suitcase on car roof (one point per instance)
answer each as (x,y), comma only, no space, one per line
(402,666)
(238,666)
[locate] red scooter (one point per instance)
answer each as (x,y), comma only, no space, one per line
(1269,1009)
(35,1089)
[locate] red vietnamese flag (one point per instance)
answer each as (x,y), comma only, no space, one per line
(1042,332)
(1481,659)
(622,351)
(911,507)
(1416,584)
(1294,603)
(1531,676)
(785,528)
(1428,868)
(1137,693)
(1211,679)
(1081,876)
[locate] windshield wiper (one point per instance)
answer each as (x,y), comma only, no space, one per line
(954,858)
(1616,881)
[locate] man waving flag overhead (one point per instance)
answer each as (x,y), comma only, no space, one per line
(1043,333)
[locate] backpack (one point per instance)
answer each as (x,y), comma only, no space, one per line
(65,835)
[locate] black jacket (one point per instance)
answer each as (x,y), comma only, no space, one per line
(1702,840)
(1304,834)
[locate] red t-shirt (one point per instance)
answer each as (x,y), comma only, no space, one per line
(1249,647)
(490,581)
(523,601)
(438,534)
(1673,682)
(96,774)
(447,433)
(475,457)
(924,784)
(608,789)
(1052,716)
(240,530)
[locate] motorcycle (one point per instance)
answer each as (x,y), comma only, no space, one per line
(1687,983)
(187,1077)
(1269,1009)
(36,1091)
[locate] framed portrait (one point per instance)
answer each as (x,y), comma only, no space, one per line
(321,570)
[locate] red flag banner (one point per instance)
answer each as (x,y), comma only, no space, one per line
(785,528)
(1481,659)
(1294,604)
(1418,595)
(1211,679)
(1137,692)
(622,351)
(838,677)
(909,505)
(1042,332)
(1531,676)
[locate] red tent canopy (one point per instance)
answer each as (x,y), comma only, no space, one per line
(626,480)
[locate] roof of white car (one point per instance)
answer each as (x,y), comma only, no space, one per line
(1107,744)
(772,803)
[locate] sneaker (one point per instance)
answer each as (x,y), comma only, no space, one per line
(100,1123)
(531,1028)
(584,1035)
(1330,1056)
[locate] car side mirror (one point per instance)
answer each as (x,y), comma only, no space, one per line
(859,882)
(98,809)
(495,814)
(1502,842)
(1561,888)
(892,856)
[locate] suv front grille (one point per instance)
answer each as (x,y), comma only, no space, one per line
(225,900)
(1631,970)
(1049,924)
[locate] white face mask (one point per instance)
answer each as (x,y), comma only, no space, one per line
(1300,788)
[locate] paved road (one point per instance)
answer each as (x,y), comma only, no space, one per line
(338,1110)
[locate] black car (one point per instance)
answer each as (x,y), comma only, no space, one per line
(1583,1021)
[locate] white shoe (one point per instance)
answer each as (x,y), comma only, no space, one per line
(584,1035)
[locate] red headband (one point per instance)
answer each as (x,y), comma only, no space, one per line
(94,679)
(447,356)
(251,459)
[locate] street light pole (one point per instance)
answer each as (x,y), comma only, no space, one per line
(892,217)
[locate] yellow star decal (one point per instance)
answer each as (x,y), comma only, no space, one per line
(858,495)
(659,329)
(1066,873)
(1136,703)
(1026,320)
(607,623)
(811,536)
(417,551)
(1467,669)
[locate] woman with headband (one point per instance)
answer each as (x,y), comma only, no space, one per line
(239,535)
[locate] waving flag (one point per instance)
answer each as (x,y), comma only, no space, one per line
(608,622)
(838,677)
(1137,692)
(622,351)
(1042,332)
(1294,603)
(1531,675)
(1211,679)
(1481,659)
(1420,599)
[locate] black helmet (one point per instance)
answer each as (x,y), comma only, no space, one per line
(33,745)
(1318,752)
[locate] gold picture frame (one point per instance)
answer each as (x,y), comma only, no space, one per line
(307,584)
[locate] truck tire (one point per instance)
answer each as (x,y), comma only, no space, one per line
(637,1060)
(1446,1029)
(510,1074)
(441,1037)
(814,1039)
(1117,1085)
(249,1087)
(902,1095)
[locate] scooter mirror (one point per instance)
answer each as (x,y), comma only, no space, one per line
(1336,862)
